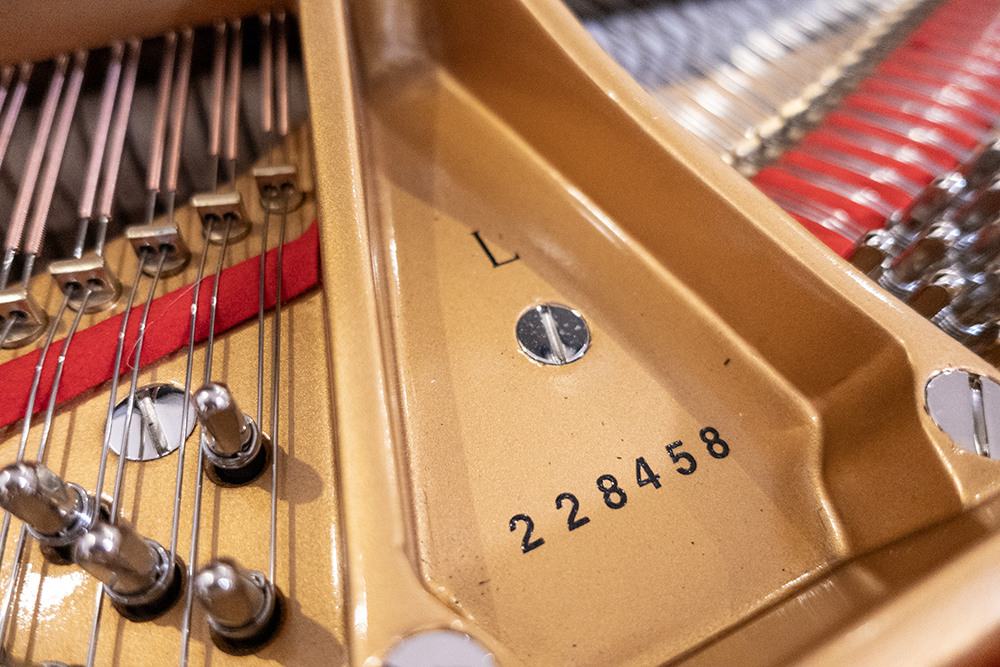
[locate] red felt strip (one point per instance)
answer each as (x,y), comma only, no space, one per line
(91,355)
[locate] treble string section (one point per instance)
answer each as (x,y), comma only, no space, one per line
(223,222)
(13,494)
(244,607)
(113,160)
(71,284)
(226,224)
(34,164)
(8,496)
(23,319)
(209,229)
(106,447)
(93,173)
(53,162)
(151,594)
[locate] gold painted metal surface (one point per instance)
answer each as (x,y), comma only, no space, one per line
(414,429)
(54,606)
(476,461)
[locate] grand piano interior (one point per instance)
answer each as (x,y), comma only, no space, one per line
(425,332)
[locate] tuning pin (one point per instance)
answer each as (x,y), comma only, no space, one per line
(979,248)
(983,167)
(237,449)
(919,261)
(929,205)
(952,191)
(973,316)
(872,251)
(135,570)
(244,608)
(56,512)
(940,291)
(983,207)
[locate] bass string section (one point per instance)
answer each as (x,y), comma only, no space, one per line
(873,124)
(151,180)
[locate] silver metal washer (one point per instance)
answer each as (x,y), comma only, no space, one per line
(156,422)
(553,334)
(966,406)
(439,648)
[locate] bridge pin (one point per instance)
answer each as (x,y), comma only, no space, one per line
(244,608)
(237,450)
(56,512)
(137,572)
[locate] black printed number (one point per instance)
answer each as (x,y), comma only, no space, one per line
(526,543)
(572,521)
(677,457)
(609,485)
(644,474)
(715,445)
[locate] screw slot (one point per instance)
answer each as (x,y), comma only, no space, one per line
(553,334)
(155,427)
(966,406)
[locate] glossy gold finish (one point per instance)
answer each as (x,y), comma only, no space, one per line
(841,522)
(54,607)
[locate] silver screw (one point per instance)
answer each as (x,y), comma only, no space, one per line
(441,647)
(553,334)
(966,406)
(156,423)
